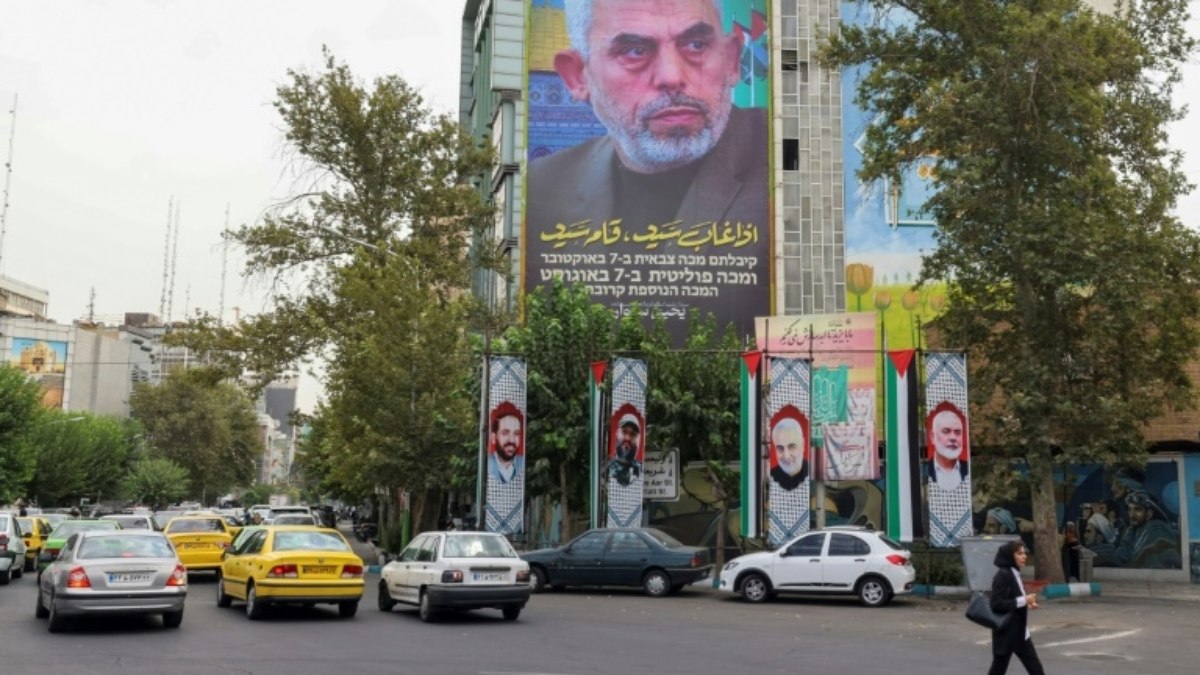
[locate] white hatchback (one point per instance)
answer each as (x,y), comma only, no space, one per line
(841,561)
(456,571)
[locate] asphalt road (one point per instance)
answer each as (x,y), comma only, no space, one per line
(583,632)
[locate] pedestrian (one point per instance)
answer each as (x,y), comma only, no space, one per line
(1009,596)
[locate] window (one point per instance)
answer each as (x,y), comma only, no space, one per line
(628,542)
(205,525)
(125,546)
(791,154)
(428,552)
(809,545)
(591,543)
(477,546)
(847,545)
(409,554)
(255,543)
(790,59)
(309,541)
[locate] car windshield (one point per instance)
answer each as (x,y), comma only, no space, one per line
(663,538)
(125,546)
(309,541)
(70,527)
(477,546)
(25,523)
(890,544)
(293,519)
(131,522)
(195,525)
(164,517)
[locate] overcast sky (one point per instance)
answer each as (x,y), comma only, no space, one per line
(125,104)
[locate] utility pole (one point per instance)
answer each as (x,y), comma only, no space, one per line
(12,132)
(162,301)
(224,270)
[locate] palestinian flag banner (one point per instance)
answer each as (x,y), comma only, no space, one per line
(506,446)
(751,464)
(596,422)
(947,436)
(626,443)
(903,481)
(789,426)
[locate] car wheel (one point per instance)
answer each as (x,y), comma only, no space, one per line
(348,609)
(223,598)
(874,592)
(6,577)
(172,619)
(537,579)
(386,603)
(57,622)
(425,609)
(30,564)
(656,583)
(255,608)
(511,612)
(18,570)
(756,588)
(40,610)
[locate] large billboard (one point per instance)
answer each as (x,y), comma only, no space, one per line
(45,361)
(648,174)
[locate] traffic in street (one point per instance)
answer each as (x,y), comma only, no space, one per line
(585,631)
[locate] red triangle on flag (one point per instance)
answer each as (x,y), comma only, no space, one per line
(758,24)
(751,359)
(901,358)
(598,371)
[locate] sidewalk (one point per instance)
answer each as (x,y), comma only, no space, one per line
(363,549)
(1157,590)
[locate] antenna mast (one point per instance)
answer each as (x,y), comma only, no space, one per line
(162,302)
(174,259)
(224,268)
(12,132)
(92,306)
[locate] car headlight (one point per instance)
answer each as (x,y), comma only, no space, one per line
(729,565)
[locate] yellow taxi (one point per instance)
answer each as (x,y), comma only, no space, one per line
(289,565)
(35,530)
(200,541)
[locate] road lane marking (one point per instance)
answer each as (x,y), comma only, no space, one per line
(1094,638)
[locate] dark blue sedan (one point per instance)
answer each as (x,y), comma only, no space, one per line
(644,557)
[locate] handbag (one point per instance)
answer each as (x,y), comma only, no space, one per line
(979,610)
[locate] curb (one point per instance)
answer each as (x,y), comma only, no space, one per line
(1049,592)
(372,569)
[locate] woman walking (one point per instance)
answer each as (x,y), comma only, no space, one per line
(1008,595)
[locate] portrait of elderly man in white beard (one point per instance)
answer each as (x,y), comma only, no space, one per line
(948,467)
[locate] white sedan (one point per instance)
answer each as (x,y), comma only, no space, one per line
(839,561)
(456,571)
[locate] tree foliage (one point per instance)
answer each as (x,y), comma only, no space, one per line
(370,267)
(78,455)
(207,427)
(20,407)
(156,482)
(1072,284)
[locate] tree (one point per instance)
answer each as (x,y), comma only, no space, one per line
(206,426)
(370,265)
(1072,284)
(78,455)
(156,482)
(564,332)
(20,406)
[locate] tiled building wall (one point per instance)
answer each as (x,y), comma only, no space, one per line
(810,239)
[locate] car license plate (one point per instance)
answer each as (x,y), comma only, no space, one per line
(488,576)
(319,569)
(130,578)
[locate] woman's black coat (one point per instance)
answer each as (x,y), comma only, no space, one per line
(1005,592)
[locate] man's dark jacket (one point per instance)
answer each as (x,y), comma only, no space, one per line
(731,184)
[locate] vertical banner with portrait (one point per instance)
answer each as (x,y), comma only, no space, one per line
(648,192)
(843,352)
(506,446)
(45,362)
(626,443)
(789,461)
(947,436)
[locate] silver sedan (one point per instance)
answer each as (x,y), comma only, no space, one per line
(113,572)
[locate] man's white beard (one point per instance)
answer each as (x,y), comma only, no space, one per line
(947,453)
(791,468)
(645,152)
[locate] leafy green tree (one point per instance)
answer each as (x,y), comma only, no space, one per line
(20,407)
(563,333)
(155,482)
(206,426)
(78,455)
(370,267)
(1072,283)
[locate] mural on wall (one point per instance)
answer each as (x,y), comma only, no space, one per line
(1125,517)
(887,230)
(45,361)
